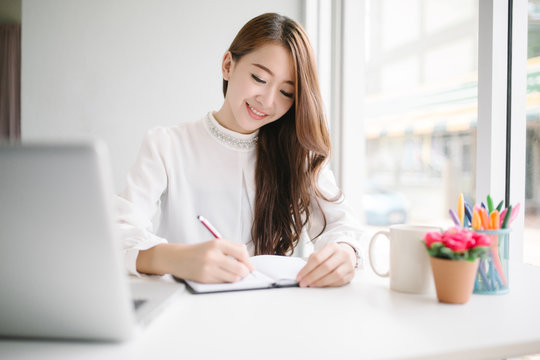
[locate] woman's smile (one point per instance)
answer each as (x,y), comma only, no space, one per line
(254,113)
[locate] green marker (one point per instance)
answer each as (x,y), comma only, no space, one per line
(499,207)
(490,204)
(507,217)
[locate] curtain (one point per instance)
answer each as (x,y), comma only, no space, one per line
(10,81)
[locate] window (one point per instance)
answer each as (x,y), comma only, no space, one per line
(416,121)
(420,109)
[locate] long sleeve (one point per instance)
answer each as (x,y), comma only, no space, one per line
(190,169)
(342,223)
(138,203)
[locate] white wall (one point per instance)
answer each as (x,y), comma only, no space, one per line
(114,68)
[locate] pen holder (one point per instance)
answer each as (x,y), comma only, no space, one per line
(492,275)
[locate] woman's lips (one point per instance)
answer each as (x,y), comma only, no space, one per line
(254,113)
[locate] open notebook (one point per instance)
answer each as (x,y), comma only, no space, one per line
(271,271)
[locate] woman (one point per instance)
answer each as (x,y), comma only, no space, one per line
(255,169)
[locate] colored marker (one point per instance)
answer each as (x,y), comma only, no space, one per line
(490,204)
(515,213)
(461,209)
(454,217)
(494,220)
(484,217)
(468,212)
(476,221)
(507,214)
(503,215)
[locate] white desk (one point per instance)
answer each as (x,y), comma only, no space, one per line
(363,320)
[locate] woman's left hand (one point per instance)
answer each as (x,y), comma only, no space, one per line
(332,265)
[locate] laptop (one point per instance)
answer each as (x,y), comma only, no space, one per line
(61,265)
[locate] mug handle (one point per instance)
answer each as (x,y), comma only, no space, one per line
(371,244)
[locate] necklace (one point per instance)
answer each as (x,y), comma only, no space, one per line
(230,138)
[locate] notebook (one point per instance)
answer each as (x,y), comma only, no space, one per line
(61,269)
(271,271)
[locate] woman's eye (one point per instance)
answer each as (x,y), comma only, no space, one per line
(258,79)
(289,95)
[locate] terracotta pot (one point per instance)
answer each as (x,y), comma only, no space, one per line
(454,279)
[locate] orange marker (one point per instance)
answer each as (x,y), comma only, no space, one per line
(476,221)
(484,217)
(494,220)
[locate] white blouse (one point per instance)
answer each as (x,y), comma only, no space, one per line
(202,168)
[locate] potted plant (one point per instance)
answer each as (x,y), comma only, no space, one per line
(454,256)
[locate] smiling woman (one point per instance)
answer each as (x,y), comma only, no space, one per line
(255,168)
(260,91)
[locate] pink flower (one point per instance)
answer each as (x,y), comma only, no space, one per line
(432,237)
(458,239)
(481,240)
(457,244)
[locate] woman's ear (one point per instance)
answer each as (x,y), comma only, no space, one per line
(227,65)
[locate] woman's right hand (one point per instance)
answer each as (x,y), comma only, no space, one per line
(215,261)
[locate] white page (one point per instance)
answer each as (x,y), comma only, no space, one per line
(279,268)
(253,280)
(269,269)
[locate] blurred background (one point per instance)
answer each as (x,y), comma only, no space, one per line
(421,60)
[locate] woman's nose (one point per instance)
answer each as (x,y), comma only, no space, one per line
(266,98)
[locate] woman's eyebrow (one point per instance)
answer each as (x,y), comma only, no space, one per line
(262,67)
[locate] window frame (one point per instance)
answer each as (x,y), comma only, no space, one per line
(500,167)
(517,118)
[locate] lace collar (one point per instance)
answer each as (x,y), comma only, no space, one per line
(228,137)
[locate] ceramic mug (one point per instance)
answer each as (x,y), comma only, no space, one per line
(410,270)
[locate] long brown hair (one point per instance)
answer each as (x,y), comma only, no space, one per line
(291,150)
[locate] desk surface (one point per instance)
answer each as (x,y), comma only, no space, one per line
(363,320)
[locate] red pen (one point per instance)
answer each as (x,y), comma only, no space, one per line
(217,235)
(209,226)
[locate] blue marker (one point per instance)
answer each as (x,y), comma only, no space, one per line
(468,212)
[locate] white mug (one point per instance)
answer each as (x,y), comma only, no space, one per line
(410,270)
